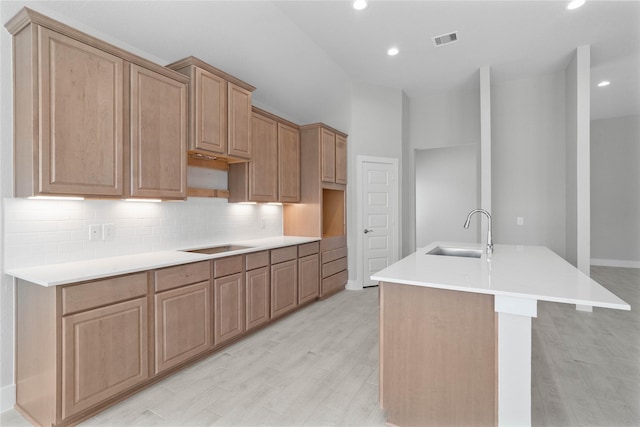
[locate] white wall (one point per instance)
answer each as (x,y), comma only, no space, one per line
(615,190)
(437,120)
(528,161)
(376,130)
(446,190)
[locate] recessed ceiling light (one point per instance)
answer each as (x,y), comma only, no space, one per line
(574,4)
(393,51)
(360,4)
(604,83)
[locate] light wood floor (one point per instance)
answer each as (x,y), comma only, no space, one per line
(319,367)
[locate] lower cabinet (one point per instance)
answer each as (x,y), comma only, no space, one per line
(284,287)
(104,352)
(183,324)
(308,278)
(229,308)
(258,297)
(82,346)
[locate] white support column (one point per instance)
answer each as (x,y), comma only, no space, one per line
(485,141)
(514,359)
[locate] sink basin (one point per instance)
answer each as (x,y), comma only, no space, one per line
(219,249)
(461,252)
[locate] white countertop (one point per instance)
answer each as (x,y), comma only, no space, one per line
(531,272)
(78,271)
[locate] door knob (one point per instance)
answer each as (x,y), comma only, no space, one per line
(366,230)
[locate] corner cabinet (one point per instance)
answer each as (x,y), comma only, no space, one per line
(273,174)
(77,114)
(220,106)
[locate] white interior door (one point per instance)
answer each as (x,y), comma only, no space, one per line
(379,201)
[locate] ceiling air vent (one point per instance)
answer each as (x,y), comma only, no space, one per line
(445,39)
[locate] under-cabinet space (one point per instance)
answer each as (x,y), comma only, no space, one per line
(333,212)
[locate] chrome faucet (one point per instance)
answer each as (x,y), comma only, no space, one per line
(489,238)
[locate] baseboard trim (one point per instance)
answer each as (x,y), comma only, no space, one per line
(353,285)
(7,397)
(615,263)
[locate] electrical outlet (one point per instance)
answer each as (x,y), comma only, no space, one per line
(109,231)
(263,223)
(95,232)
(520,220)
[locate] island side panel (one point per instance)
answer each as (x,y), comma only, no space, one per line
(438,357)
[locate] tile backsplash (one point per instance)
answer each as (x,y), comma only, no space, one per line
(41,232)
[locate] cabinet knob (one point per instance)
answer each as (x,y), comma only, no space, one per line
(366,230)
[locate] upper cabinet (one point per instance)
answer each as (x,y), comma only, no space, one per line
(158,135)
(220,111)
(91,119)
(273,174)
(333,154)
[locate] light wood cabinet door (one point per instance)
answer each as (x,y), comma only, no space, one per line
(229,308)
(239,100)
(258,297)
(81,118)
(104,352)
(341,159)
(309,278)
(210,127)
(288,164)
(284,287)
(158,135)
(263,168)
(328,155)
(183,324)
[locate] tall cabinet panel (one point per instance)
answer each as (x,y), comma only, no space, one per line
(239,121)
(322,211)
(263,176)
(158,135)
(288,164)
(209,112)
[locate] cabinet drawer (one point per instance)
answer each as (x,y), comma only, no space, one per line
(333,255)
(284,254)
(333,284)
(257,260)
(174,277)
(308,249)
(334,267)
(335,242)
(226,266)
(103,292)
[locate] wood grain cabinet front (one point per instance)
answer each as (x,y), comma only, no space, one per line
(258,297)
(183,313)
(104,352)
(220,105)
(284,287)
(76,113)
(273,175)
(229,308)
(158,135)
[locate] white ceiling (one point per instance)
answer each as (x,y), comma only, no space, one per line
(296,51)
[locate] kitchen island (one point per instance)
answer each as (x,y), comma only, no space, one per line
(455,332)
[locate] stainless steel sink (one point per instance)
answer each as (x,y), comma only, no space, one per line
(219,249)
(461,252)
